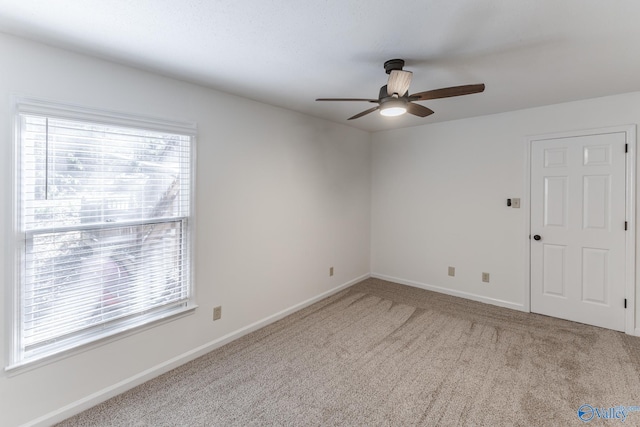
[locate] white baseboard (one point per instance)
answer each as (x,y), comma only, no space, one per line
(122,386)
(453,292)
(637,332)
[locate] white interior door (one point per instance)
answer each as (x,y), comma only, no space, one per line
(578,228)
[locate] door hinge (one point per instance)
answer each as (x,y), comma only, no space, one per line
(625,303)
(626,148)
(626,225)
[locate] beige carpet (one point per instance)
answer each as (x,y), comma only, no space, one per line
(384,354)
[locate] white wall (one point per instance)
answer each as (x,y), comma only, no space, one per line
(280,198)
(439,197)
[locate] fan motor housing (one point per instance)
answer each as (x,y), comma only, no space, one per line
(383,95)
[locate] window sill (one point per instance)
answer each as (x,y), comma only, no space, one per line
(28,365)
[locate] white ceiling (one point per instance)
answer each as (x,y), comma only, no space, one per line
(289,52)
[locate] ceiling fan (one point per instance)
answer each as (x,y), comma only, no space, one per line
(394,98)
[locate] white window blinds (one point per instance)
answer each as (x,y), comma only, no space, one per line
(104,212)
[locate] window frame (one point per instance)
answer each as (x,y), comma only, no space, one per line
(15,360)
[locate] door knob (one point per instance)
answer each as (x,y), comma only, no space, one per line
(537,237)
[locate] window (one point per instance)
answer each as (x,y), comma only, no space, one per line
(104,226)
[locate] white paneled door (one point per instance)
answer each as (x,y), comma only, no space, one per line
(578,228)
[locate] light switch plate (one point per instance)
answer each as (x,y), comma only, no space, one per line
(515,203)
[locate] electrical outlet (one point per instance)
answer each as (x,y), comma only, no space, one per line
(217,312)
(330,271)
(452,271)
(485,277)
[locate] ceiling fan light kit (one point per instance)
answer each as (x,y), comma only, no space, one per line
(394,98)
(392,107)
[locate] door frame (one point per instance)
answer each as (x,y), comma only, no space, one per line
(630,213)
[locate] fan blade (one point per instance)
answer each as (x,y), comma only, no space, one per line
(447,92)
(347,99)
(418,110)
(364,113)
(399,82)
